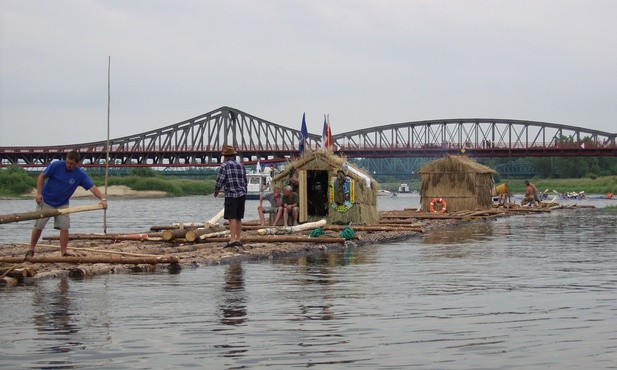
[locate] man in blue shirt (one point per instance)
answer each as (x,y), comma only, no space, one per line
(232,175)
(54,187)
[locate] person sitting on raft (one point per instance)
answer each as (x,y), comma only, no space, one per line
(276,205)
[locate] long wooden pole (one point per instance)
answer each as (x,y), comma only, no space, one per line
(115,237)
(103,251)
(107,151)
(16,217)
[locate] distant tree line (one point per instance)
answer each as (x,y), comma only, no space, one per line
(560,167)
(390,169)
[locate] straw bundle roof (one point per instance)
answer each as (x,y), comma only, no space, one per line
(463,183)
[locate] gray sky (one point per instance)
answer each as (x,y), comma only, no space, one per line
(366,63)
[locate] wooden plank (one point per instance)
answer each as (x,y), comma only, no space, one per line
(303,205)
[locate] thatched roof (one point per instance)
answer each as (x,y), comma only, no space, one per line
(455,164)
(325,160)
(459,180)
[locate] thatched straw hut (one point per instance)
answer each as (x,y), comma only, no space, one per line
(460,181)
(330,187)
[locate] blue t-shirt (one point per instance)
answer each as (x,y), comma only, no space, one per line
(62,183)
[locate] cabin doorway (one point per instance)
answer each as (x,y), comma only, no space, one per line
(317,193)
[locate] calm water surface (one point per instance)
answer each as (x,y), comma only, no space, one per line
(520,292)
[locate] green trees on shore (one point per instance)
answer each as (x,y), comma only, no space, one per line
(593,174)
(15,182)
(560,167)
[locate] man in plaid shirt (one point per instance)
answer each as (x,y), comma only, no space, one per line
(232,175)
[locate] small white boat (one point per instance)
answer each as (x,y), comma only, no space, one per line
(384,193)
(403,188)
(256,183)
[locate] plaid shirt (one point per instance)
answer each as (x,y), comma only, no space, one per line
(233,176)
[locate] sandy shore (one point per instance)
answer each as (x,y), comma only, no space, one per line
(116,191)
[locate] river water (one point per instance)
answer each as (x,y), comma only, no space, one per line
(535,291)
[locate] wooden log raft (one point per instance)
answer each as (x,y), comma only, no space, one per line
(279,239)
(16,217)
(116,260)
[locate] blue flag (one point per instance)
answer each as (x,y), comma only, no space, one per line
(303,135)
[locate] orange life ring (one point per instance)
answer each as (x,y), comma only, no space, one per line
(431,205)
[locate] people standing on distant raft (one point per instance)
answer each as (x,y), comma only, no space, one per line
(54,187)
(232,175)
(532,195)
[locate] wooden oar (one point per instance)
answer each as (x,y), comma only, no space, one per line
(16,217)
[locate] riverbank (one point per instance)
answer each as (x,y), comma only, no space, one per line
(114,191)
(120,191)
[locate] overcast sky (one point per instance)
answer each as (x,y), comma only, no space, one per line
(366,63)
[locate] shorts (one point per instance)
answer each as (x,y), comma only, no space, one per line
(270,209)
(61,222)
(234,208)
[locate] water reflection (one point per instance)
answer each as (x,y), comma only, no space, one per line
(233,305)
(348,256)
(54,320)
(460,234)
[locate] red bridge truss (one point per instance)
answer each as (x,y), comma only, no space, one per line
(197,142)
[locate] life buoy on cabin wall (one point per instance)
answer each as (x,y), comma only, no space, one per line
(440,201)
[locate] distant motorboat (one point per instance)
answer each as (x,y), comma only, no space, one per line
(403,188)
(257,183)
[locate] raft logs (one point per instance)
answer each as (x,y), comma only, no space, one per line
(80,272)
(93,259)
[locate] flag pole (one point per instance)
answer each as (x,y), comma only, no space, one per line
(107,149)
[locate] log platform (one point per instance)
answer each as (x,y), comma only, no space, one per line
(146,252)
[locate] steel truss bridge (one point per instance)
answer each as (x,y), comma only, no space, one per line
(197,142)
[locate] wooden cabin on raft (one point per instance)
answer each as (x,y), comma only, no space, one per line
(329,187)
(456,183)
